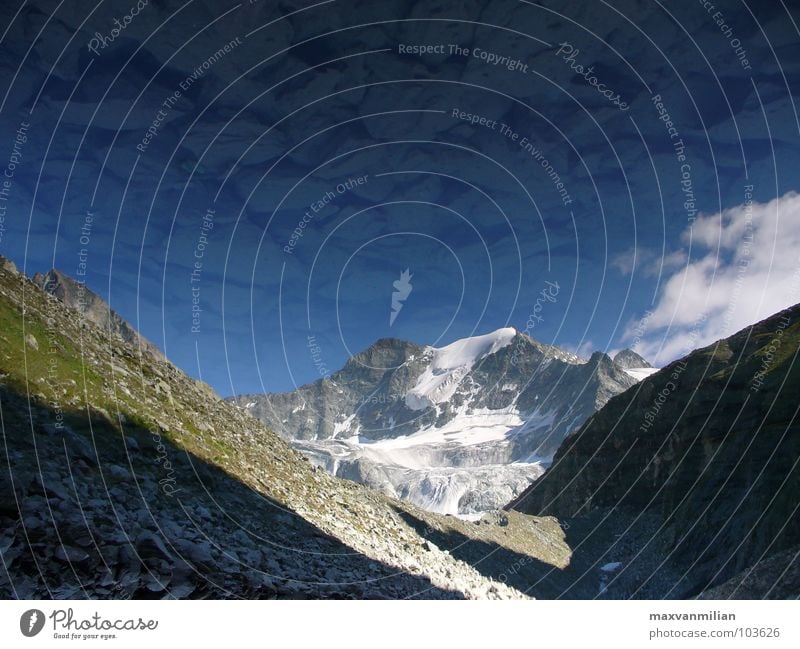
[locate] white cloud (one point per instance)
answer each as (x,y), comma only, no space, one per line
(626,262)
(744,265)
(647,261)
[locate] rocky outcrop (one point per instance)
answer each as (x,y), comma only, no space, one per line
(708,445)
(78,296)
(8,265)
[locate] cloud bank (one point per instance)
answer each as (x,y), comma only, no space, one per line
(743,265)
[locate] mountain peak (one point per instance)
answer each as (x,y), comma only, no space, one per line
(385,354)
(628,359)
(599,357)
(472,346)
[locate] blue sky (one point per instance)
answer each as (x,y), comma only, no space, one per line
(319,126)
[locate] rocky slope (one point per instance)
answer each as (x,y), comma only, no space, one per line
(123,477)
(696,466)
(78,296)
(457,429)
(776,577)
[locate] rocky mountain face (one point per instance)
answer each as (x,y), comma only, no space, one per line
(122,477)
(775,577)
(459,429)
(630,360)
(696,466)
(78,296)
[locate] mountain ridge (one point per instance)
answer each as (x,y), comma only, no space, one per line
(704,448)
(76,295)
(459,428)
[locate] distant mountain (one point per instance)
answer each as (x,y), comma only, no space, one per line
(78,296)
(633,364)
(630,360)
(697,467)
(456,429)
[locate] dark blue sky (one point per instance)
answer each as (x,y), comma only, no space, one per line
(299,158)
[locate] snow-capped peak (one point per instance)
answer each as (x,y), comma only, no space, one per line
(450,364)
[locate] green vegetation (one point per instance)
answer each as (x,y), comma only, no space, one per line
(60,360)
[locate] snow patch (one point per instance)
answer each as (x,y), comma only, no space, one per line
(342,426)
(450,364)
(480,426)
(606,571)
(641,373)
